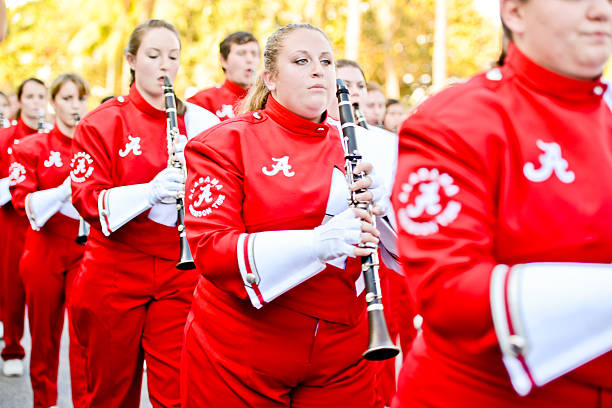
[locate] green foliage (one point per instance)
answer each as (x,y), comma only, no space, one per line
(49,37)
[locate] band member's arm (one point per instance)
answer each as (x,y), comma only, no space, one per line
(444,197)
(23,178)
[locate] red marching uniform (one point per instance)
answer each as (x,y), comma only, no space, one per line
(48,265)
(261,173)
(221,99)
(11,245)
(129,299)
(517,180)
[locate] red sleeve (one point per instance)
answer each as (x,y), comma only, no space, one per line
(90,167)
(24,177)
(446,245)
(213,207)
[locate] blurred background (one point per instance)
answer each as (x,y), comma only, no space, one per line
(410,47)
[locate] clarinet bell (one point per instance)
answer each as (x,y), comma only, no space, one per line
(186,260)
(380,346)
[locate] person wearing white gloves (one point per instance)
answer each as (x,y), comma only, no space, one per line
(51,257)
(130,302)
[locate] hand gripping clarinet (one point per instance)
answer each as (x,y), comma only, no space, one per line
(83,225)
(172,132)
(380,345)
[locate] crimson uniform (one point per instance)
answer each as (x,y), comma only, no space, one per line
(11,245)
(49,264)
(264,173)
(221,99)
(517,179)
(129,299)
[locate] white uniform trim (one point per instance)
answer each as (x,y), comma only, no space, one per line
(273,262)
(198,119)
(119,205)
(40,206)
(5,193)
(560,316)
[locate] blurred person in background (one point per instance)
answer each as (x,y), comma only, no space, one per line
(395,114)
(373,104)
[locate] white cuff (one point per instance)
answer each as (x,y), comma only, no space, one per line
(69,211)
(5,193)
(273,262)
(40,206)
(165,214)
(550,318)
(119,205)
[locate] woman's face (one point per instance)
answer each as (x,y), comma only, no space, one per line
(570,37)
(304,81)
(157,56)
(355,83)
(33,100)
(67,104)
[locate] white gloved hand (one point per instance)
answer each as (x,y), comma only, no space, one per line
(166,185)
(337,236)
(179,149)
(379,193)
(64,190)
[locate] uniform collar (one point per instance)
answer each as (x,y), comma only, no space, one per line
(570,90)
(23,129)
(63,138)
(293,122)
(237,90)
(144,106)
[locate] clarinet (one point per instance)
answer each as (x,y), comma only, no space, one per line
(359,117)
(83,225)
(172,133)
(380,346)
(41,121)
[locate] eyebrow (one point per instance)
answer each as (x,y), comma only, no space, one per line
(159,50)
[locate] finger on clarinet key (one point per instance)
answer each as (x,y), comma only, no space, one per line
(363,167)
(362,214)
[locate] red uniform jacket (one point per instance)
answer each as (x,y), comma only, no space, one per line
(232,165)
(45,160)
(221,99)
(122,142)
(510,167)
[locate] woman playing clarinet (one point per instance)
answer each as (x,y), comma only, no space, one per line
(130,302)
(279,316)
(50,257)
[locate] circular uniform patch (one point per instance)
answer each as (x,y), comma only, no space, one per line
(427,203)
(82,167)
(205,196)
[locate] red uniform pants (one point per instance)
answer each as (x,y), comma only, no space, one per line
(126,306)
(13,295)
(237,356)
(48,266)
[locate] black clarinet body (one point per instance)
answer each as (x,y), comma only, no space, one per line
(359,116)
(172,132)
(380,345)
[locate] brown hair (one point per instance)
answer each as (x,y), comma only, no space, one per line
(81,84)
(20,91)
(374,86)
(239,37)
(258,94)
(341,63)
(134,44)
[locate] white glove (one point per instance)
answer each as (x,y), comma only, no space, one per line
(179,149)
(64,190)
(166,186)
(337,236)
(379,193)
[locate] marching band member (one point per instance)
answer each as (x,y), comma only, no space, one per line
(278,317)
(504,210)
(5,110)
(239,56)
(129,300)
(380,148)
(51,256)
(374,104)
(32,98)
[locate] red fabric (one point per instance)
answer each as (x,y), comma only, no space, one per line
(221,99)
(234,154)
(11,247)
(126,306)
(34,153)
(482,134)
(99,137)
(238,356)
(48,267)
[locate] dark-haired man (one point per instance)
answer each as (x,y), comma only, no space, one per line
(239,55)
